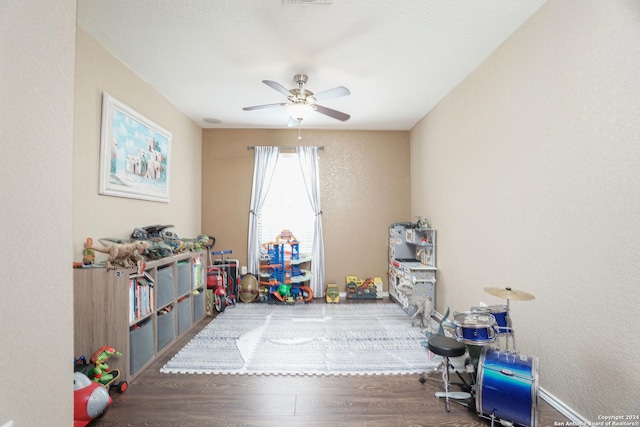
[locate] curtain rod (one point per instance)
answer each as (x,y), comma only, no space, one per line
(290,147)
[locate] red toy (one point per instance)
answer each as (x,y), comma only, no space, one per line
(90,400)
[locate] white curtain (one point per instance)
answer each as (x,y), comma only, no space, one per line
(264,165)
(308,159)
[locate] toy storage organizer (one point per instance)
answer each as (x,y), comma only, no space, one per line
(138,315)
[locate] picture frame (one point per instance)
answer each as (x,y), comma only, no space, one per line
(135,154)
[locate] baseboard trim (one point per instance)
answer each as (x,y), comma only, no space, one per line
(561,407)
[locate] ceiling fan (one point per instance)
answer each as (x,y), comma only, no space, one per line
(302,102)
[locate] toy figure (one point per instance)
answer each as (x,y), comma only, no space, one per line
(89,254)
(101,372)
(422,223)
(284,290)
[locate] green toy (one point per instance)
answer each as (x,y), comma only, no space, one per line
(100,373)
(284,290)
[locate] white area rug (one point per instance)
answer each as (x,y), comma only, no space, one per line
(306,339)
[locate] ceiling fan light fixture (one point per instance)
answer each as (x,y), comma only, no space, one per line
(299,110)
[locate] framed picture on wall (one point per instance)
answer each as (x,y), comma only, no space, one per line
(134,154)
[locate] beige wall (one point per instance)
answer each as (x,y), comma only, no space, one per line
(37,46)
(364,188)
(97,216)
(530,172)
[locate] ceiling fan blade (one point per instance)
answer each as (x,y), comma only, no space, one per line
(258,107)
(332,93)
(332,113)
(277,86)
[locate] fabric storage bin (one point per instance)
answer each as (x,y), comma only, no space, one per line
(140,346)
(166,291)
(198,307)
(184,277)
(184,315)
(166,328)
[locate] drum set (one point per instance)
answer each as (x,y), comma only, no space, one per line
(506,382)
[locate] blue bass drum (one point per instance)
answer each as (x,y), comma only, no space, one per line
(507,387)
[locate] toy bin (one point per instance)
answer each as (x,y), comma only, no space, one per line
(184,315)
(166,291)
(166,328)
(198,306)
(184,277)
(140,345)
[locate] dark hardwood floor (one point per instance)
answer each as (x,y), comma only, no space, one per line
(156,399)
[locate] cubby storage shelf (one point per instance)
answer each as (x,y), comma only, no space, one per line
(110,311)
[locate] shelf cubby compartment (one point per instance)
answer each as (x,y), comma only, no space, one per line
(184,277)
(166,291)
(198,306)
(166,328)
(184,315)
(140,298)
(140,345)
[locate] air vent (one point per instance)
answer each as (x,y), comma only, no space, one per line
(307,1)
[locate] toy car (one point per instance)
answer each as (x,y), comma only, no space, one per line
(90,400)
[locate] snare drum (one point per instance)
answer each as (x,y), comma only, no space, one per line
(507,387)
(475,328)
(499,312)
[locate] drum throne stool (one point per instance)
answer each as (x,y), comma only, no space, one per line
(446,347)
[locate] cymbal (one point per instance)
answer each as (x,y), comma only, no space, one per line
(509,293)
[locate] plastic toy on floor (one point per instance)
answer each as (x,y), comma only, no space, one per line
(100,371)
(420,306)
(90,400)
(361,289)
(332,294)
(281,275)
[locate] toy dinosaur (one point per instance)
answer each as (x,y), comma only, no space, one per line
(150,232)
(128,254)
(196,244)
(423,306)
(158,250)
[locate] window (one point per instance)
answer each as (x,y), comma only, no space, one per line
(287,205)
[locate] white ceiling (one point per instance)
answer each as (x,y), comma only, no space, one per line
(209,57)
